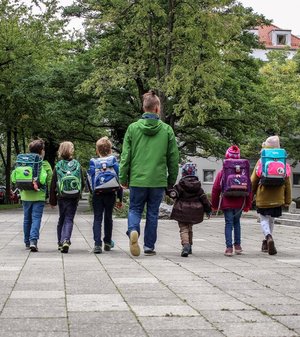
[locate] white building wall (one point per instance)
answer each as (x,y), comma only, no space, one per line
(261,54)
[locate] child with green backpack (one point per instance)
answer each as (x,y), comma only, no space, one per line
(66,187)
(32,175)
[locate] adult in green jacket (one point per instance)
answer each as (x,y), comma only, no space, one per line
(149,163)
(33,201)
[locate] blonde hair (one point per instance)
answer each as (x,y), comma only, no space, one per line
(66,150)
(150,101)
(103,146)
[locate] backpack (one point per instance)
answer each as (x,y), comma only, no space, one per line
(272,168)
(236,178)
(68,178)
(102,176)
(29,174)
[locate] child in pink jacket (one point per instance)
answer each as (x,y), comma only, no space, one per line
(231,206)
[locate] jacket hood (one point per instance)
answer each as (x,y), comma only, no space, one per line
(190,184)
(150,127)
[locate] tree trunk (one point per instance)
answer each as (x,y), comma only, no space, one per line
(16,143)
(8,165)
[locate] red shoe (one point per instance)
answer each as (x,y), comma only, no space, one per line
(228,251)
(238,249)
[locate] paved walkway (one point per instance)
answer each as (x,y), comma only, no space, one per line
(79,294)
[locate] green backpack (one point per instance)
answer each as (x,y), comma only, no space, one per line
(68,178)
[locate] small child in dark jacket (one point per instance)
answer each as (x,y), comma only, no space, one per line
(190,204)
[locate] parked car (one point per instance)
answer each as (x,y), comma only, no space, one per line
(14,197)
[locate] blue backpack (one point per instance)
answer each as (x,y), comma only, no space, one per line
(103,175)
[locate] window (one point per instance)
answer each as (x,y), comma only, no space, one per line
(281,39)
(296,179)
(208,176)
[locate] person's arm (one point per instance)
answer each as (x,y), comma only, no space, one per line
(125,159)
(288,191)
(53,189)
(254,180)
(216,191)
(82,179)
(172,158)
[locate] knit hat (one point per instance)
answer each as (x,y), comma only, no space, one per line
(189,169)
(272,142)
(233,152)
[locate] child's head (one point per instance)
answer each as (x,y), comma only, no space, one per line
(151,102)
(188,169)
(37,146)
(103,147)
(233,152)
(66,150)
(271,143)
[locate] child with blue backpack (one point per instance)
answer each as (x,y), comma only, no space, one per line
(66,187)
(32,175)
(103,182)
(272,187)
(231,193)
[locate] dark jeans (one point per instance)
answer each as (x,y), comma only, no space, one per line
(232,221)
(139,196)
(67,210)
(33,212)
(103,203)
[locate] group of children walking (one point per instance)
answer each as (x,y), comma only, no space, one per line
(190,204)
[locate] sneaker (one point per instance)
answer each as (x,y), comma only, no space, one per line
(109,246)
(97,250)
(238,249)
(185,250)
(271,245)
(134,243)
(65,246)
(59,246)
(228,251)
(27,246)
(33,246)
(264,246)
(149,252)
(190,250)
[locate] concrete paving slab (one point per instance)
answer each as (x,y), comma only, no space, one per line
(115,294)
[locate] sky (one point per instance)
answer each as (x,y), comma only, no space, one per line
(284,13)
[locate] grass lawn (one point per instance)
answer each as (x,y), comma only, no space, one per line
(9,206)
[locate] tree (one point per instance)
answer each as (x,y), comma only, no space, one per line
(195,53)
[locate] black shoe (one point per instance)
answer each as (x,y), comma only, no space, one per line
(109,246)
(264,246)
(190,251)
(271,245)
(33,246)
(97,250)
(185,250)
(65,246)
(149,252)
(59,246)
(27,246)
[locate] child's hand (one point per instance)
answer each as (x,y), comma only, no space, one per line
(119,205)
(52,206)
(124,186)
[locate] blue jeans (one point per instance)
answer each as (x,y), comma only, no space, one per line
(33,212)
(139,196)
(67,210)
(103,203)
(232,221)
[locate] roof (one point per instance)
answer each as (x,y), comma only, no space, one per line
(265,37)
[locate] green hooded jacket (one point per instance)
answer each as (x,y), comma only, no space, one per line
(150,155)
